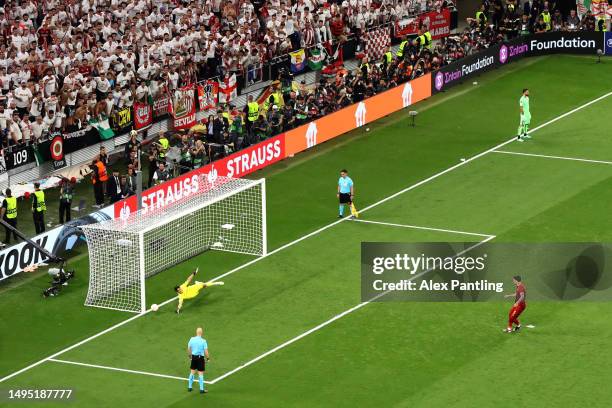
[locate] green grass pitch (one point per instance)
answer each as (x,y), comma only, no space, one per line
(305,296)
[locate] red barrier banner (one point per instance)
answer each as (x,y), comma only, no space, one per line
(238,164)
(250,159)
(161,105)
(182,107)
(437,22)
(143,115)
(161,195)
(207,95)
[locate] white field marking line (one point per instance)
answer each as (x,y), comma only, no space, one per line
(479,155)
(289,244)
(330,321)
(390,224)
(553,157)
(125,370)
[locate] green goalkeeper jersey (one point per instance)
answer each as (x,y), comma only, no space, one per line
(524,102)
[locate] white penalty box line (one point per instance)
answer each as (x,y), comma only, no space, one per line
(418,227)
(336,317)
(124,370)
(545,156)
(302,238)
(487,237)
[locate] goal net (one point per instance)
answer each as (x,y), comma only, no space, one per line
(226,214)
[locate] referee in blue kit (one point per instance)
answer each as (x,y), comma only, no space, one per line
(346,193)
(197,349)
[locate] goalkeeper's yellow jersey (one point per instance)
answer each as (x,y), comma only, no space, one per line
(190,291)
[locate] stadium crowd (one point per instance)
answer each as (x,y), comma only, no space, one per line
(65,63)
(291,104)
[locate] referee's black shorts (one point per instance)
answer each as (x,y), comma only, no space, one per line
(345,198)
(197,363)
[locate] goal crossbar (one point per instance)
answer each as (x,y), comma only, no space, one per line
(148,219)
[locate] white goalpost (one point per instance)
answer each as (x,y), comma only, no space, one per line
(226,214)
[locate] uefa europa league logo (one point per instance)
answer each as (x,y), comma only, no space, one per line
(125,211)
(439,81)
(212,175)
(503,54)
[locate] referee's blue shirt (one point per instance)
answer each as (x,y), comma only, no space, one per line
(197,345)
(345,184)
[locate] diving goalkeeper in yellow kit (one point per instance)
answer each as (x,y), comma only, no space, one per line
(187,291)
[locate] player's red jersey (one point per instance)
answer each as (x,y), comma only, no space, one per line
(520,289)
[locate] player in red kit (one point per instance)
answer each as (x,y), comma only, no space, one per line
(519,304)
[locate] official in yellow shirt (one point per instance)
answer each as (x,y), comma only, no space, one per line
(187,291)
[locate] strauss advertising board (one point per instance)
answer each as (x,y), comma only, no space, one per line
(238,164)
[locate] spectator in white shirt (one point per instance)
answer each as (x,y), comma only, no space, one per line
(37,106)
(23,98)
(14,129)
(39,127)
(49,120)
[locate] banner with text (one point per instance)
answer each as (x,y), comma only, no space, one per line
(208,94)
(484,271)
(121,120)
(183,107)
(439,24)
(238,164)
(58,241)
(528,46)
(16,156)
(56,149)
(143,115)
(457,72)
(161,105)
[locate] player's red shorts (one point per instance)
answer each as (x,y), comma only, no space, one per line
(515,312)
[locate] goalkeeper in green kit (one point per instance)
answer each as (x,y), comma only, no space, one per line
(523,130)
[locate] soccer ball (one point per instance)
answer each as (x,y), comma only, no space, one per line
(155,307)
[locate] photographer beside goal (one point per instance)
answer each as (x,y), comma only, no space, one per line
(187,291)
